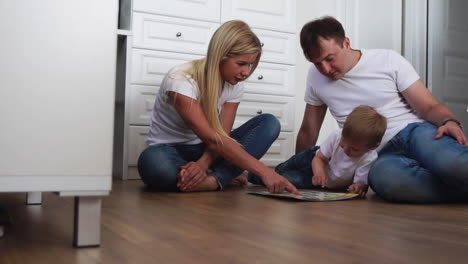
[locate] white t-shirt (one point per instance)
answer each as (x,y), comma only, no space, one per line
(343,170)
(376,80)
(167,126)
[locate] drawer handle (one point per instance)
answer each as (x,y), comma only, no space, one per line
(259,112)
(178,34)
(260,77)
(262,44)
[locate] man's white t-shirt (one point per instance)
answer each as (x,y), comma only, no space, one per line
(377,80)
(167,126)
(343,170)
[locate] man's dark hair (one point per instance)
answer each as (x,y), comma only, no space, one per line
(326,27)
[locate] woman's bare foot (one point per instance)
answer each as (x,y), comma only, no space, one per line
(240,180)
(208,184)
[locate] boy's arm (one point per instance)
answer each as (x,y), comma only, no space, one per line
(319,164)
(361,175)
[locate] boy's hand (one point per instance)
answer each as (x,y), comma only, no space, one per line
(320,179)
(359,188)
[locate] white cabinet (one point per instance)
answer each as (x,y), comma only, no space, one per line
(166,33)
(276,15)
(57,79)
(207,10)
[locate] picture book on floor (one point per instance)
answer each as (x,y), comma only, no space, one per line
(309,195)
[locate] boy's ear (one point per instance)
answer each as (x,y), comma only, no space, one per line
(376,146)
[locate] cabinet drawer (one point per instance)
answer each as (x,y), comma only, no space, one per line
(281,150)
(149,67)
(278,47)
(207,10)
(172,34)
(278,15)
(137,136)
(142,99)
(279,106)
(271,78)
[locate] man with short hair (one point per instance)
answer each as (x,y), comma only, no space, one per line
(423,157)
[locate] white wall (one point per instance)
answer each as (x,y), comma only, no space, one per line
(368,23)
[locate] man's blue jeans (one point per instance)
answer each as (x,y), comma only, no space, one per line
(159,165)
(414,167)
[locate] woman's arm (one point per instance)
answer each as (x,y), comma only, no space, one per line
(230,150)
(227,118)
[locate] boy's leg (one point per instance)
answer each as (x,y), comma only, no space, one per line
(256,137)
(297,169)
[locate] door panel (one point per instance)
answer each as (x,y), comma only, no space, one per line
(448,56)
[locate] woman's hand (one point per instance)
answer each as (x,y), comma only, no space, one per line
(276,183)
(190,175)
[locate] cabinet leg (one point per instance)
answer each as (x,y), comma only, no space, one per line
(34,198)
(87,226)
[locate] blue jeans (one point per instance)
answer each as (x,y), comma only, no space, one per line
(159,165)
(297,169)
(413,167)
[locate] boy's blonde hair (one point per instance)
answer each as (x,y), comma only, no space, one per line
(365,125)
(231,39)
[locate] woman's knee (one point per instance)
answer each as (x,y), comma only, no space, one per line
(156,169)
(272,124)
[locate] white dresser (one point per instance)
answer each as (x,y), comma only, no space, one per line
(159,34)
(57,79)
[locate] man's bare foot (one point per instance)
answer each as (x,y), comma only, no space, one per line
(240,180)
(208,184)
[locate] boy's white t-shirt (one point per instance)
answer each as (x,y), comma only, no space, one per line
(167,126)
(377,80)
(343,170)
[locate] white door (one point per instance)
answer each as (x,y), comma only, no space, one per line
(448,55)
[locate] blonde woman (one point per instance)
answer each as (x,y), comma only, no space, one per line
(191,146)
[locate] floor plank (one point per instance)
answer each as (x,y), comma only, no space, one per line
(234,227)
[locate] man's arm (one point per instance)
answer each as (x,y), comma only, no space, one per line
(310,127)
(429,108)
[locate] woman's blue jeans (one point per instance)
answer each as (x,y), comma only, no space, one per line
(414,167)
(159,165)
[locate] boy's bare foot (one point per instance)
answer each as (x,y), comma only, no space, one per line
(240,180)
(208,184)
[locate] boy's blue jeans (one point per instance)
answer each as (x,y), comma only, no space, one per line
(297,169)
(159,165)
(414,167)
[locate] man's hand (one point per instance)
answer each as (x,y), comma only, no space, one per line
(190,175)
(359,188)
(452,129)
(276,183)
(320,180)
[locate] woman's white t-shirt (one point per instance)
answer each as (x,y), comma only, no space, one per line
(167,126)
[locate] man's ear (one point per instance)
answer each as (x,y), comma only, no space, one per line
(346,43)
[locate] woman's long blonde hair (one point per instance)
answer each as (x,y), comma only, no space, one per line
(231,39)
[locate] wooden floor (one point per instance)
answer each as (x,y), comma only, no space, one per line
(234,227)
